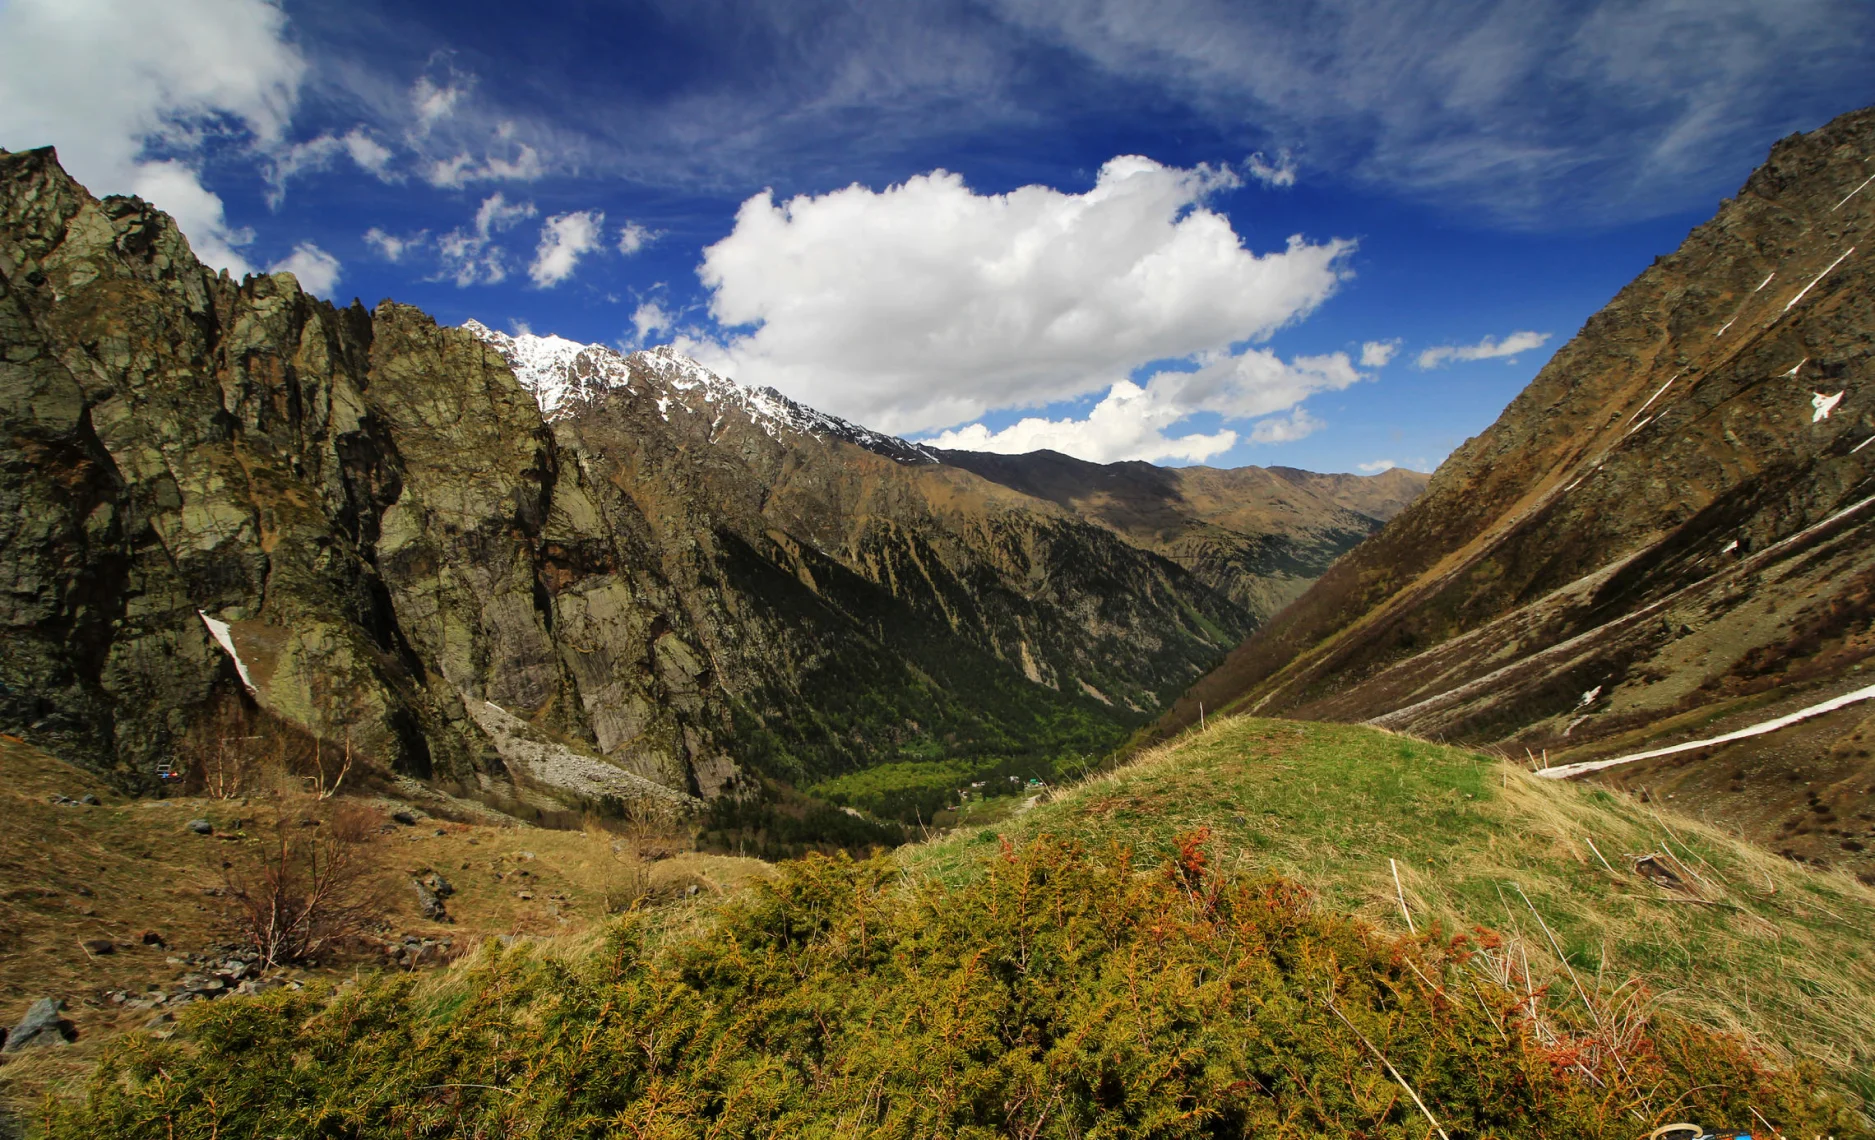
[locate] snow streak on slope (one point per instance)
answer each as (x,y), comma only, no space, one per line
(562,373)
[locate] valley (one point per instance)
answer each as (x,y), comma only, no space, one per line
(423,729)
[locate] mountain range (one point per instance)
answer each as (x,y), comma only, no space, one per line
(543,573)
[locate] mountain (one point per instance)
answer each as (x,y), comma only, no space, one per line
(1666,538)
(528,571)
(1257,535)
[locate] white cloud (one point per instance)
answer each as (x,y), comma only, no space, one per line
(317,153)
(317,270)
(1376,466)
(432,101)
(633,237)
(1487,349)
(368,153)
(1378,353)
(1135,422)
(1279,173)
(1279,429)
(1129,423)
(392,247)
(129,95)
(564,239)
(649,319)
(462,168)
(926,304)
(470,256)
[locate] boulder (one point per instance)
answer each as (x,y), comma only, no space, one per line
(42,1025)
(201,827)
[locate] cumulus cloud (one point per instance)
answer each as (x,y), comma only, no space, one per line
(1487,349)
(1376,466)
(1378,353)
(470,255)
(926,305)
(173,81)
(1136,422)
(564,239)
(633,237)
(1278,173)
(649,319)
(317,270)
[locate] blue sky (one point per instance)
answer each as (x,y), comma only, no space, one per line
(1186,230)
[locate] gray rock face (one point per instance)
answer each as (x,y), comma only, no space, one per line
(42,1025)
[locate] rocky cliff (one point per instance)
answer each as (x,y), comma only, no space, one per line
(1664,539)
(523,569)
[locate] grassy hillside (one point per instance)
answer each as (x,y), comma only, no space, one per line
(1207,942)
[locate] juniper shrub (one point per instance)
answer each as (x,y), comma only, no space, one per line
(1066,993)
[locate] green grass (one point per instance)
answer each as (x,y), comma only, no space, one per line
(918,791)
(1170,949)
(1785,957)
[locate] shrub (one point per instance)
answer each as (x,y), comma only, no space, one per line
(296,896)
(1062,994)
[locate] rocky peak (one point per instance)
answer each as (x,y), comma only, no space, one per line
(562,374)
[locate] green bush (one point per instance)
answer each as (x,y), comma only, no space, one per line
(1061,994)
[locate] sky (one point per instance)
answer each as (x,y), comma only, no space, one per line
(1329,234)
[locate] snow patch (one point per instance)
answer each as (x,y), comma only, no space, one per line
(1588,698)
(1766,281)
(224,635)
(1824,405)
(1662,388)
(1806,289)
(1852,193)
(1863,444)
(1759,729)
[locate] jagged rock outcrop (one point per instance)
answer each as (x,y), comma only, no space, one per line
(362,504)
(1665,537)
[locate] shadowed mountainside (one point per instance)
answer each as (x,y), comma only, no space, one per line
(1257,535)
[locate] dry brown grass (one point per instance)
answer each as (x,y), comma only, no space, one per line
(72,873)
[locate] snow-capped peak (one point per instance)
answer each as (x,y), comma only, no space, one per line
(562,373)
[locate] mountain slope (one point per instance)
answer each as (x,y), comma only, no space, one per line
(363,524)
(1257,535)
(1664,537)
